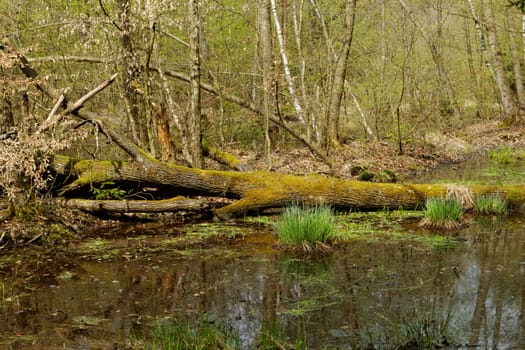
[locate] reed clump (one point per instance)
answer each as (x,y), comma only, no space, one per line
(442,214)
(490,204)
(310,228)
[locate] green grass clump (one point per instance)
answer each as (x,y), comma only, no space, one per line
(183,335)
(506,155)
(442,214)
(490,204)
(310,225)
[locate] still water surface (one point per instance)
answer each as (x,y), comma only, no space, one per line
(356,296)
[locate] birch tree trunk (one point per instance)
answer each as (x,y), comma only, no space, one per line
(286,66)
(481,40)
(194,117)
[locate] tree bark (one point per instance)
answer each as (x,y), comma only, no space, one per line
(336,94)
(255,191)
(137,206)
(510,107)
(194,119)
(265,34)
(286,66)
(516,60)
(131,72)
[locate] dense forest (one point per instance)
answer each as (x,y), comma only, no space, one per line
(186,80)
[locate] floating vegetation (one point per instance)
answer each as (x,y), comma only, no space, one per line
(310,228)
(272,336)
(442,214)
(176,334)
(490,204)
(182,335)
(429,330)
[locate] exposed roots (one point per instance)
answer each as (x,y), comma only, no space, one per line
(443,225)
(310,250)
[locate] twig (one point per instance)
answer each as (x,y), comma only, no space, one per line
(47,123)
(73,108)
(34,239)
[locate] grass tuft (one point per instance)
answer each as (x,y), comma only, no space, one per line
(506,155)
(182,335)
(306,227)
(490,204)
(443,214)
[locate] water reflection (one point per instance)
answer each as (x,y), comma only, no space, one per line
(358,295)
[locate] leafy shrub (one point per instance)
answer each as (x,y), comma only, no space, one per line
(103,192)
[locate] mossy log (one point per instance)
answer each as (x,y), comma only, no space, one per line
(259,190)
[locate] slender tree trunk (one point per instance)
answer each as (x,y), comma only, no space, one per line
(265,34)
(194,117)
(335,58)
(481,39)
(286,66)
(312,131)
(336,94)
(510,107)
(436,57)
(516,60)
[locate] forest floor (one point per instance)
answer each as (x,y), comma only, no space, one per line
(418,158)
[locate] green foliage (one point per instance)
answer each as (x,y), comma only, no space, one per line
(505,155)
(200,335)
(184,335)
(520,4)
(310,225)
(490,204)
(442,214)
(272,337)
(438,209)
(102,192)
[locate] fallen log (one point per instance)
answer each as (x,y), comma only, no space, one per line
(138,206)
(255,191)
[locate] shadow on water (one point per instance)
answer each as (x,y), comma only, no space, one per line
(108,293)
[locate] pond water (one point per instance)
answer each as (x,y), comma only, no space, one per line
(107,292)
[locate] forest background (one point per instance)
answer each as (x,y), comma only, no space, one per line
(257,76)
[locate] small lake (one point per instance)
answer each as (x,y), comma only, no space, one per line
(107,292)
